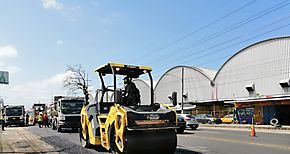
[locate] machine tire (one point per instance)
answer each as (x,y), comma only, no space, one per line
(113,147)
(84,142)
(274,121)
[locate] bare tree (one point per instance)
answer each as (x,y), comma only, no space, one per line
(77,80)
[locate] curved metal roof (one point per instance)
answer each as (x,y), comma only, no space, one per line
(209,74)
(244,49)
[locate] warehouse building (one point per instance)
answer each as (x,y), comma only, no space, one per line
(197,87)
(256,79)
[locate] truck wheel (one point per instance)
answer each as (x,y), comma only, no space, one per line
(180,130)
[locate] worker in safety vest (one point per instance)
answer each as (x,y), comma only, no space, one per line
(40,119)
(2,121)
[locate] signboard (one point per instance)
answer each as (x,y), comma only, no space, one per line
(4,77)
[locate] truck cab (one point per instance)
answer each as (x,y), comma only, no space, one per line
(14,115)
(66,113)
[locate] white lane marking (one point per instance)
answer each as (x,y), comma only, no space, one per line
(192,148)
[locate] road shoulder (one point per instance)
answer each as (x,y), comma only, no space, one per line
(21,140)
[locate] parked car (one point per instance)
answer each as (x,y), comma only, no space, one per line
(181,124)
(205,118)
(228,118)
(190,121)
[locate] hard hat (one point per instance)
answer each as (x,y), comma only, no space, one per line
(40,112)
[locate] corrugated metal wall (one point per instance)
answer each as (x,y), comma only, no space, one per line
(264,64)
(196,84)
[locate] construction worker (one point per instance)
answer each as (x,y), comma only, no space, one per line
(131,94)
(27,119)
(40,119)
(45,120)
(2,122)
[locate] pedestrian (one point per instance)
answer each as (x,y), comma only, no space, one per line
(45,120)
(40,120)
(27,119)
(2,122)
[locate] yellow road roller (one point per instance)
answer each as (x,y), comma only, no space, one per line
(120,122)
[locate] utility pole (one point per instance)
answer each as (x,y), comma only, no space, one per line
(182,88)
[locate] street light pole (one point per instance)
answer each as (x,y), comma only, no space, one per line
(182,88)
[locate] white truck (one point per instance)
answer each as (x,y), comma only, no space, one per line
(14,115)
(66,112)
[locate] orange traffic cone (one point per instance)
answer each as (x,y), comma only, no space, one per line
(253,132)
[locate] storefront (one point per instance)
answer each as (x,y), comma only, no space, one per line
(217,108)
(263,110)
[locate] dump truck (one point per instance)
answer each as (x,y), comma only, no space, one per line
(37,108)
(124,124)
(65,112)
(14,115)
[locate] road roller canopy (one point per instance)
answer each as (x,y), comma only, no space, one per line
(122,69)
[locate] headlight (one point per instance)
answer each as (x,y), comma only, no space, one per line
(61,117)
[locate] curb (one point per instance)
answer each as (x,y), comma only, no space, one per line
(266,127)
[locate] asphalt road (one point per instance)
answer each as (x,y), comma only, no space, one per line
(203,140)
(226,141)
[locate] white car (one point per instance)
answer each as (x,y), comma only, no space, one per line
(190,121)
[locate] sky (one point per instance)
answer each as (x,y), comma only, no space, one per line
(40,38)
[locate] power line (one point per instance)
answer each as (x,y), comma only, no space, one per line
(232,45)
(228,29)
(238,43)
(193,32)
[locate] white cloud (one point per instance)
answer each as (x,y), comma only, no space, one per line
(52,4)
(59,42)
(8,52)
(70,11)
(31,92)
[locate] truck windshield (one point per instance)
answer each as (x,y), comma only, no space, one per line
(13,111)
(71,107)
